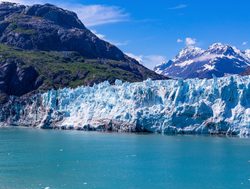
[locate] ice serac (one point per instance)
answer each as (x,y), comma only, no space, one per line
(194,106)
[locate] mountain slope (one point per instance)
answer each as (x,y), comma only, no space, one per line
(218,60)
(44,47)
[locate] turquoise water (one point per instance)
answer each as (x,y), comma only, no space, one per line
(33,159)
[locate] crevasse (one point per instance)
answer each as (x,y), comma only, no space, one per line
(194,106)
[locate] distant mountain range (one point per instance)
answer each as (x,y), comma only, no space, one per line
(218,60)
(44,47)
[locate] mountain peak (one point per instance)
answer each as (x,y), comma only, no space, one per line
(219,48)
(55,14)
(188,52)
(218,45)
(190,49)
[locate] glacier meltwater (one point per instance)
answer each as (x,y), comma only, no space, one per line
(194,106)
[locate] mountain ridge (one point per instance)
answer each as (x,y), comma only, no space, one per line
(218,60)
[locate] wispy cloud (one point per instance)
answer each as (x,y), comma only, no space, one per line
(99,35)
(244,43)
(149,61)
(188,41)
(91,15)
(119,44)
(180,6)
(103,37)
(179,40)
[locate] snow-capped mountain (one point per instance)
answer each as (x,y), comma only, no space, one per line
(218,60)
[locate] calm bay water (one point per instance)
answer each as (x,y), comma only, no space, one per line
(33,159)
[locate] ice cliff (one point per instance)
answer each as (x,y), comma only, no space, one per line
(208,106)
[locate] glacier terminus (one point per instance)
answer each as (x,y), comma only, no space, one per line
(192,106)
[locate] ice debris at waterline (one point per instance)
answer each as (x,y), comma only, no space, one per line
(215,106)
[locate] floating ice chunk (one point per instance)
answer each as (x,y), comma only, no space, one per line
(133,155)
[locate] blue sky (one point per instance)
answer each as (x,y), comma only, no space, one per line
(156,30)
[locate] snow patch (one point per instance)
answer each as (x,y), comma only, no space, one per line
(185,63)
(208,67)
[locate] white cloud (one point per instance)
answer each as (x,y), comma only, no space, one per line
(179,41)
(91,15)
(206,57)
(136,57)
(181,6)
(101,36)
(190,41)
(244,43)
(149,61)
(124,43)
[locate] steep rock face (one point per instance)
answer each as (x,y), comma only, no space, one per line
(214,106)
(218,60)
(17,80)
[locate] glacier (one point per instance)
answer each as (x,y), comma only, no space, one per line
(192,106)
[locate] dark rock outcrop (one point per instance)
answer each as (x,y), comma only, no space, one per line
(18,80)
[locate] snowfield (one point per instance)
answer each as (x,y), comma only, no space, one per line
(194,106)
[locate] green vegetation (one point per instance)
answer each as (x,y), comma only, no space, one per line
(68,69)
(24,31)
(19,29)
